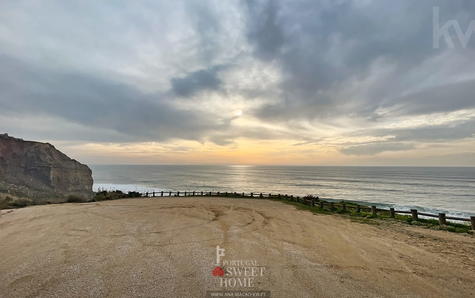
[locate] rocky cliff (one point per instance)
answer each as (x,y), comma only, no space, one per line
(41,172)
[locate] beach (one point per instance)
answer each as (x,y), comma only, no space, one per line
(167,247)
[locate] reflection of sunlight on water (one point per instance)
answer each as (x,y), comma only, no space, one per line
(241,166)
(239,176)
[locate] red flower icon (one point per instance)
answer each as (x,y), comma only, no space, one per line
(218,271)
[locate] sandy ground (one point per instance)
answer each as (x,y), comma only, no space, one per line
(167,248)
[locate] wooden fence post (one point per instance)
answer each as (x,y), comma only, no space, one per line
(161,193)
(252,195)
(392,213)
(170,194)
(415,216)
(332,206)
(260,195)
(472,220)
(358,208)
(343,207)
(374,211)
(146,194)
(313,202)
(153,194)
(321,204)
(177,193)
(442,219)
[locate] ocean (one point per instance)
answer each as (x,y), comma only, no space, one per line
(430,189)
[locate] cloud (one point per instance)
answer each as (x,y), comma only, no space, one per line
(454,131)
(263,28)
(371,149)
(326,46)
(200,80)
(310,72)
(445,98)
(97,103)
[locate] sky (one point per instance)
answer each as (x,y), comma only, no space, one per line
(302,82)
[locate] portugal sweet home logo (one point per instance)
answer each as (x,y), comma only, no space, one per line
(218,270)
(236,273)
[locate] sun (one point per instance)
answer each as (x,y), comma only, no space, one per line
(237,113)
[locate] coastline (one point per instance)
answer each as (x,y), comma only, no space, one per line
(143,189)
(431,190)
(166,246)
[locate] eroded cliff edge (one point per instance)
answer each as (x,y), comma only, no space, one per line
(41,172)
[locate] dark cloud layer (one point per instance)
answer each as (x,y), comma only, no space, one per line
(446,98)
(205,79)
(96,103)
(323,45)
(407,138)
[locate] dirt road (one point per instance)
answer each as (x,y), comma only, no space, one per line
(166,247)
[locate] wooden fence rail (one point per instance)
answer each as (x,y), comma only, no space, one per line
(312,201)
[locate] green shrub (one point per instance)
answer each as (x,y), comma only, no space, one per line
(20,202)
(133,194)
(75,199)
(4,202)
(114,195)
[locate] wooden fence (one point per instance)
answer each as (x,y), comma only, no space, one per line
(312,201)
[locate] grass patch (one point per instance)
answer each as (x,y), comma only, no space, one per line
(365,220)
(301,206)
(369,218)
(434,224)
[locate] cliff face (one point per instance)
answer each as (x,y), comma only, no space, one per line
(41,172)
